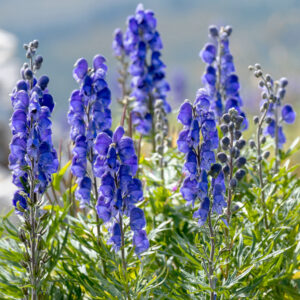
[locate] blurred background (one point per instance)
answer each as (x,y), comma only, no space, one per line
(264,31)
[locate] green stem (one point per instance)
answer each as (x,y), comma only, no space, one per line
(124,265)
(211,256)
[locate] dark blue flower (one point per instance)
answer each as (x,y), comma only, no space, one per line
(140,241)
(202,212)
(140,41)
(137,219)
(19,202)
(116,165)
(185,115)
(31,146)
(83,193)
(288,114)
(81,68)
(208,53)
(116,236)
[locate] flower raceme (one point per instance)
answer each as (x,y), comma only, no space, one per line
(277,114)
(89,114)
(198,140)
(140,41)
(220,78)
(119,192)
(32,157)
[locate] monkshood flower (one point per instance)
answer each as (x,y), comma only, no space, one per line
(32,158)
(220,78)
(198,140)
(32,161)
(269,122)
(119,192)
(277,113)
(89,114)
(140,42)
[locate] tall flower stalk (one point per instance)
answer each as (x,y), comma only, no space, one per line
(161,129)
(89,115)
(232,143)
(32,161)
(119,193)
(269,123)
(200,163)
(220,78)
(141,45)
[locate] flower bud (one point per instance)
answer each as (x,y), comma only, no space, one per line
(268,77)
(233,151)
(28,54)
(237,134)
(226,170)
(226,118)
(240,173)
(263,140)
(266,154)
(213,31)
(255,119)
(232,183)
(231,126)
(222,157)
(240,162)
(215,169)
(225,141)
(269,120)
(224,128)
(28,74)
(258,73)
(239,120)
(240,144)
(228,29)
(284,82)
(257,66)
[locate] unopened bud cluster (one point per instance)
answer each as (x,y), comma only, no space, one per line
(272,112)
(161,126)
(232,143)
(35,61)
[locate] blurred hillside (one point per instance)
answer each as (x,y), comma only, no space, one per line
(265,31)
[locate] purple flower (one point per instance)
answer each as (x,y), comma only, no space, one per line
(198,140)
(148,84)
(83,193)
(185,115)
(19,202)
(208,53)
(116,164)
(81,68)
(89,114)
(219,78)
(137,219)
(31,148)
(140,241)
(202,212)
(288,114)
(115,239)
